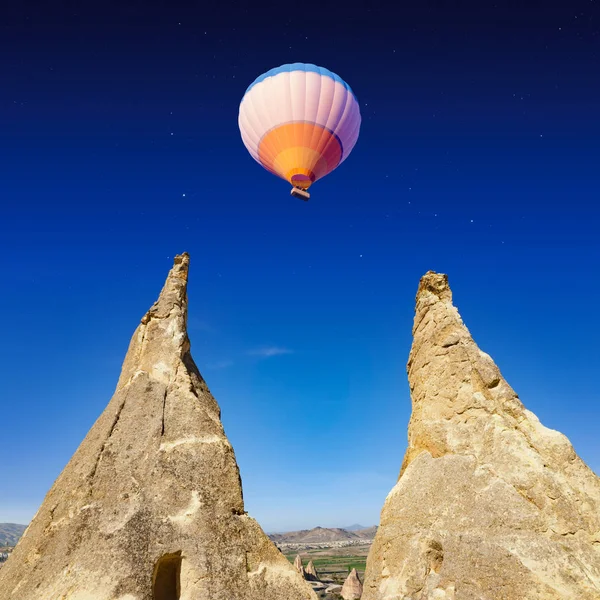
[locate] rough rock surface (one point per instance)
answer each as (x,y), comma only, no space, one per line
(311,572)
(490,504)
(150,505)
(352,588)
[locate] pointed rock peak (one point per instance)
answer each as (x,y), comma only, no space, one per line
(161,343)
(299,566)
(488,499)
(151,502)
(298,563)
(174,291)
(352,588)
(436,284)
(311,571)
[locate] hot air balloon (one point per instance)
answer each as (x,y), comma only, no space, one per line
(299,122)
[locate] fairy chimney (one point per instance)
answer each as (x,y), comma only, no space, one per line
(489,502)
(150,505)
(352,588)
(311,572)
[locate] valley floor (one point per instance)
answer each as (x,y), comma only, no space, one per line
(334,563)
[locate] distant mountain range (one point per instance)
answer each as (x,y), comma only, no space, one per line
(354,527)
(10,533)
(324,534)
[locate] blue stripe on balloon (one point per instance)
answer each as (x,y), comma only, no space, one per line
(307,68)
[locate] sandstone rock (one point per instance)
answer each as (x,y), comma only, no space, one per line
(352,588)
(489,504)
(150,505)
(299,567)
(311,572)
(333,589)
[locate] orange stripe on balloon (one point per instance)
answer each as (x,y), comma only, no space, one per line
(323,150)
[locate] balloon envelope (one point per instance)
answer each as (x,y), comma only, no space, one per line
(299,121)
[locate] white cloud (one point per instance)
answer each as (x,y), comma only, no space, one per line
(267,351)
(221,364)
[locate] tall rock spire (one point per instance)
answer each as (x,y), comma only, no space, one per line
(150,505)
(490,504)
(299,566)
(311,572)
(352,588)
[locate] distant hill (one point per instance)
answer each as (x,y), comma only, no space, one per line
(323,534)
(367,532)
(354,527)
(10,533)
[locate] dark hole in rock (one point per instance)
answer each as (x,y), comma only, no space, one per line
(166,579)
(435,555)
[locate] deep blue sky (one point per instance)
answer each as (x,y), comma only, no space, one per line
(479,157)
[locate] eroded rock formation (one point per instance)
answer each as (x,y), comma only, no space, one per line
(490,504)
(150,505)
(352,588)
(299,567)
(311,572)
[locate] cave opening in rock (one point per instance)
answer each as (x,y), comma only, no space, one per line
(166,584)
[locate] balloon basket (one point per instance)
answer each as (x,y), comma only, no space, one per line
(300,193)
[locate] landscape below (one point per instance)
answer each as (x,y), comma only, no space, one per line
(333,551)
(489,503)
